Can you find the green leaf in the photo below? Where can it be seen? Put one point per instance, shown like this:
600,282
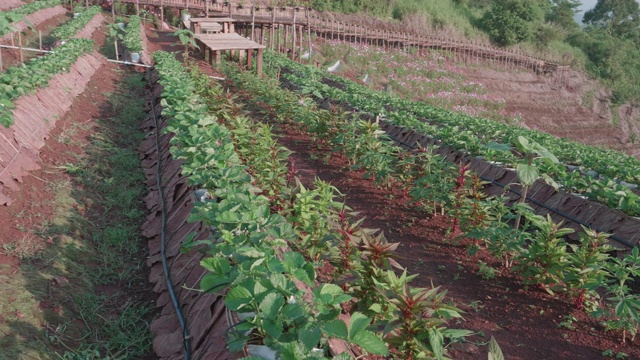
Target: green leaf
237,298
309,337
358,323
495,353
528,174
336,328
498,146
370,342
436,341
271,305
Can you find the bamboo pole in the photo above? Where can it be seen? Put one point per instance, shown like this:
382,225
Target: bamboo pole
115,45
40,38
1,59
20,44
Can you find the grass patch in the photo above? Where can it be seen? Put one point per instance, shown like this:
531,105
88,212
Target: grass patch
85,295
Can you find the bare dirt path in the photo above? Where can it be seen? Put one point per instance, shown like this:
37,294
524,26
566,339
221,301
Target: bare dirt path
67,243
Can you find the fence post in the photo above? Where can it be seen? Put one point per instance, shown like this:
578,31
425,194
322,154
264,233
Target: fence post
253,22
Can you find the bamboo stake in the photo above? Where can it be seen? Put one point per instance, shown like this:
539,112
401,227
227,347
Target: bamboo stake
0,59
40,38
115,45
20,43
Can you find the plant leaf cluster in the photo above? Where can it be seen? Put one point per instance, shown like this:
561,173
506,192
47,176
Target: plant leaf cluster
36,73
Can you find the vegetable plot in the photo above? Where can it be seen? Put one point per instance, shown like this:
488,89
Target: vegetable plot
69,29
273,234
132,39
536,249
37,72
603,175
12,16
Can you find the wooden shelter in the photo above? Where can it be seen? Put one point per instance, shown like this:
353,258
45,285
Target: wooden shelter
213,45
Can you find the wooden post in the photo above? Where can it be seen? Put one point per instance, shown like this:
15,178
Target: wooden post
113,9
253,21
1,60
40,38
20,45
273,28
309,34
293,44
278,38
162,13
332,22
86,4
137,7
206,8
259,64
301,39
249,56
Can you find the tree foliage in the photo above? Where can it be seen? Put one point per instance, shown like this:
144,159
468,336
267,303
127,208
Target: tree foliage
509,22
621,18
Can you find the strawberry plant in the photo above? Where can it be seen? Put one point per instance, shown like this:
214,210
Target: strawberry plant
132,38
36,73
69,29
15,15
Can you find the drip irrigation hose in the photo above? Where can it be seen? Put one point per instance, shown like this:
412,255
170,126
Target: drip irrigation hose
539,203
163,235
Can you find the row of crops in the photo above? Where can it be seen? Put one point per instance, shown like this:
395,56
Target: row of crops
536,249
132,38
272,232
68,30
36,73
602,175
12,16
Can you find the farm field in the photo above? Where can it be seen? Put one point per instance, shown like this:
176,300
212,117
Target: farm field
318,231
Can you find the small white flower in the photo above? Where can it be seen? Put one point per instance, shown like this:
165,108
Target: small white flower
292,300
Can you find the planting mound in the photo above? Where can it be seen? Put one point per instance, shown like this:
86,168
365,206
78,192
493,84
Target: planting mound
35,115
9,4
35,18
205,313
90,28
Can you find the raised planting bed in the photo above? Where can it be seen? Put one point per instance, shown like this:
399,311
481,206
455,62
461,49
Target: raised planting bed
606,176
34,97
34,13
81,26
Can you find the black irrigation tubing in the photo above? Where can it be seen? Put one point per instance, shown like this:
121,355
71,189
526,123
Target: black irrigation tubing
539,203
163,235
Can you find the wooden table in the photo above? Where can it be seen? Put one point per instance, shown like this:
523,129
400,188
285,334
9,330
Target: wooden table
214,44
